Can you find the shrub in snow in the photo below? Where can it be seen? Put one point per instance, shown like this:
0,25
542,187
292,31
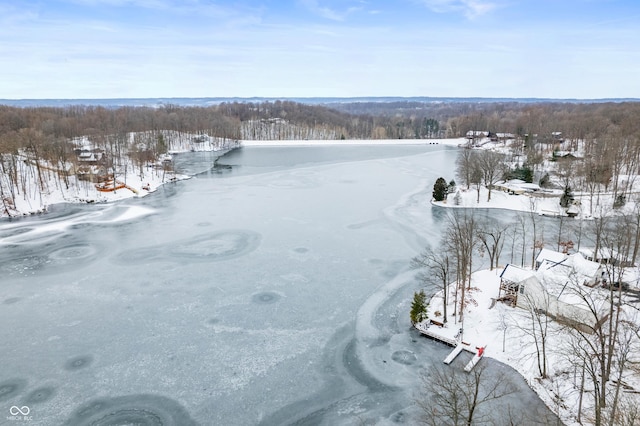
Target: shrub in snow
620,201
567,197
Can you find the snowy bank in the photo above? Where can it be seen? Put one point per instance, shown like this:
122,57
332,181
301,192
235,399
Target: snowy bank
545,203
130,181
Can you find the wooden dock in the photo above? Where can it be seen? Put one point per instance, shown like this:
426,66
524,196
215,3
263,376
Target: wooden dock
452,337
443,334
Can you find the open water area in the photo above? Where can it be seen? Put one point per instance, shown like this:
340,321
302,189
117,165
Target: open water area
273,288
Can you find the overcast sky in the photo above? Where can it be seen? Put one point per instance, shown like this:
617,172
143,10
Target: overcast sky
319,48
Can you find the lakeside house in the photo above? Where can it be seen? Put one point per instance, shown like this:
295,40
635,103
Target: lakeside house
606,256
557,287
477,138
516,186
503,137
90,157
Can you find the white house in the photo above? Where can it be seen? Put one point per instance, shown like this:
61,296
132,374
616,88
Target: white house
557,286
516,186
605,255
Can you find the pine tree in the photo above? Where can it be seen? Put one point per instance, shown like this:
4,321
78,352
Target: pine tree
418,307
440,189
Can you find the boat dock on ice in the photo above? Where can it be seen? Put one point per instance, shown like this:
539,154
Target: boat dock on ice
452,337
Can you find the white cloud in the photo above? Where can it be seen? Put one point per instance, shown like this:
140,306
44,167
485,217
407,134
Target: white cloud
177,7
328,13
149,4
470,8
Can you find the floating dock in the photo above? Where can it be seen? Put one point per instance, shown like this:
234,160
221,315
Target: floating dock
449,359
475,359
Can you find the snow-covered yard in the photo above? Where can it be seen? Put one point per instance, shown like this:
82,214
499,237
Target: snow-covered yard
543,203
506,333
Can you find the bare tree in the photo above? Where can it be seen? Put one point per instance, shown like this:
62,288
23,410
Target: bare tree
593,342
456,399
460,240
626,345
476,176
492,236
464,163
492,165
537,326
434,267
537,233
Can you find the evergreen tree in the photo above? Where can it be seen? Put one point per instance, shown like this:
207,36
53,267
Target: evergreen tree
440,189
161,146
567,197
418,307
524,172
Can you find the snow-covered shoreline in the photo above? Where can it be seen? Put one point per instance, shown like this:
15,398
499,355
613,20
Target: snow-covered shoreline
137,183
545,204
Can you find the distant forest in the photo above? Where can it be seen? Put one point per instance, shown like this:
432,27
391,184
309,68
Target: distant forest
21,127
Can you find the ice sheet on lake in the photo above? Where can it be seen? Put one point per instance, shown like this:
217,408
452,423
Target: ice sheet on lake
260,296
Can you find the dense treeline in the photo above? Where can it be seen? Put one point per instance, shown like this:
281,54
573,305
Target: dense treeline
268,120
291,120
575,121
456,118
607,132
438,110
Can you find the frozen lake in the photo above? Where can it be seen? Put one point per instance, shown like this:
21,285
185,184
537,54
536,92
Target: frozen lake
273,289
